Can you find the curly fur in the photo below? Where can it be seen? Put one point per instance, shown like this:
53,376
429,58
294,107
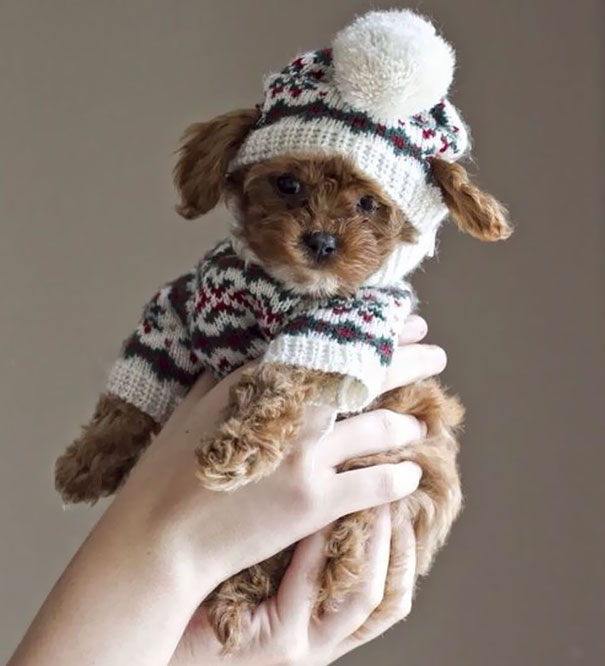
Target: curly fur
474,211
271,225
263,417
96,464
229,604
207,149
432,508
266,406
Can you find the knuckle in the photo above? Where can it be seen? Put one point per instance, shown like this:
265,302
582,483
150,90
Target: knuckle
404,607
388,487
303,494
360,612
388,424
296,464
292,651
397,429
373,598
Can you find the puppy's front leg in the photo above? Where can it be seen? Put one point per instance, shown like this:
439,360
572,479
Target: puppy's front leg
98,462
263,416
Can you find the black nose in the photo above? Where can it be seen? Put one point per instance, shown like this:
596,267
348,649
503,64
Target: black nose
320,244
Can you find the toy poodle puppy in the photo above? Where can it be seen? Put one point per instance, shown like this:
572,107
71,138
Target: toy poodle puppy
337,184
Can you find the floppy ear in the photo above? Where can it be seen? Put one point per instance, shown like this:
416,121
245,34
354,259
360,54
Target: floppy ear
204,156
473,210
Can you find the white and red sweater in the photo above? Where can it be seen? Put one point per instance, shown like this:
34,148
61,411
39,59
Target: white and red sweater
227,311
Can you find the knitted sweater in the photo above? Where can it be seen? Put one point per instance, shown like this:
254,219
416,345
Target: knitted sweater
227,311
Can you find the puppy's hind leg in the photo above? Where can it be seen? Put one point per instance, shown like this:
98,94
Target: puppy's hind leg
432,508
231,605
345,559
264,415
438,500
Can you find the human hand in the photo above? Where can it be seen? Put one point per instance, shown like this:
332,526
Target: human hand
165,542
231,531
284,631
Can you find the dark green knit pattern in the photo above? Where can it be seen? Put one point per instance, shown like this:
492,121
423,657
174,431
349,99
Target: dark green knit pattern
226,313
314,72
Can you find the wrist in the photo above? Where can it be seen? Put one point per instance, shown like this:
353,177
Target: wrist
160,541
118,574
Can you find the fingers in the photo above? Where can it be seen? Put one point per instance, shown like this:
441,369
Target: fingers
298,589
365,488
368,433
412,363
403,587
414,329
360,604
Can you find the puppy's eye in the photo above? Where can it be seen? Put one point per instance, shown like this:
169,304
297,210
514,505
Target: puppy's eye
367,204
287,184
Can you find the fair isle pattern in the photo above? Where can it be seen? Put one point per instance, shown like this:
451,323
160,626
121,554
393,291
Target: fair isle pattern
354,337
237,309
227,312
305,88
158,365
303,112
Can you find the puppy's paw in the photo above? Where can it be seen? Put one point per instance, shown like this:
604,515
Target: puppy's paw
238,453
96,464
263,418
75,480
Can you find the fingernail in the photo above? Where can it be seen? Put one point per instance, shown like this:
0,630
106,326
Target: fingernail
407,478
415,325
438,355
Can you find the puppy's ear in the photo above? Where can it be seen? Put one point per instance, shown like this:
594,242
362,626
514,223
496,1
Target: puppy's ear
204,156
473,210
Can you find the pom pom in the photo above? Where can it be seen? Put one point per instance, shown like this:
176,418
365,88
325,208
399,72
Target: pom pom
392,64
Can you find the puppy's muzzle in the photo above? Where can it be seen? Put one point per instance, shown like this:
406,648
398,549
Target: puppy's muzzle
320,245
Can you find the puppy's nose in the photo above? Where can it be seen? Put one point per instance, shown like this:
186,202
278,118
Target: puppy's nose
320,244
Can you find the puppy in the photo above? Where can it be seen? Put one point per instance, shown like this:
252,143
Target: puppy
312,281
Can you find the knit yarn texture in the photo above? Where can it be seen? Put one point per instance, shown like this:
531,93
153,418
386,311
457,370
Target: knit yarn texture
226,312
303,112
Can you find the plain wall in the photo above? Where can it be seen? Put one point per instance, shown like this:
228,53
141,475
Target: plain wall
93,98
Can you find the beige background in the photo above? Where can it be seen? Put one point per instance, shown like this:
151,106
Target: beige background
93,98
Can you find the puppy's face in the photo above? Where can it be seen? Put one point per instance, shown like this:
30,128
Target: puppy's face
315,223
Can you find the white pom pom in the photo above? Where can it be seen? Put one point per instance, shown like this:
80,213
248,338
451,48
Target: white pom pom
392,64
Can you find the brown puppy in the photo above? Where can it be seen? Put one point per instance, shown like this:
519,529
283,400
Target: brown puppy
277,203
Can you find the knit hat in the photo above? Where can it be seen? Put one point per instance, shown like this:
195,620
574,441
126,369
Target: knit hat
378,97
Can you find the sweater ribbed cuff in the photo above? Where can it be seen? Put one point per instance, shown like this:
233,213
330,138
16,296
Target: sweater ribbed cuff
133,380
362,373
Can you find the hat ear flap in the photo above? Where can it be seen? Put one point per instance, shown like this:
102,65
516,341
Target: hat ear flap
204,156
474,211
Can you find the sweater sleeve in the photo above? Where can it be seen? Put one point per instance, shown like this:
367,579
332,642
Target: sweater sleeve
354,338
158,365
